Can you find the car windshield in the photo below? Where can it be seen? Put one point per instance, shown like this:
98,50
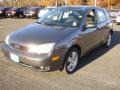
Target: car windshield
14,8
43,12
114,11
63,17
32,9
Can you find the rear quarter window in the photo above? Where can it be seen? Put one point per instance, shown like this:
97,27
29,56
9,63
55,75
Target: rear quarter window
101,15
107,14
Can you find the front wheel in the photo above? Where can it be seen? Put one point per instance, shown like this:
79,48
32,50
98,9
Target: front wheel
20,16
72,59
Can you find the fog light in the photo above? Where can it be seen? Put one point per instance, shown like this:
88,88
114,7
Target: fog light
55,58
41,67
45,68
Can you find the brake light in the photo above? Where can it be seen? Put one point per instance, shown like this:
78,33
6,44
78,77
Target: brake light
13,12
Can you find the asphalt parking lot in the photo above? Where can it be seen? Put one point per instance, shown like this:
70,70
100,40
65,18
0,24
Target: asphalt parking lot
98,70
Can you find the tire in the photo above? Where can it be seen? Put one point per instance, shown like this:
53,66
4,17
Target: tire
108,41
20,16
72,59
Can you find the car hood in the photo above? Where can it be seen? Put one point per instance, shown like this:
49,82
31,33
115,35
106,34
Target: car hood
2,9
40,34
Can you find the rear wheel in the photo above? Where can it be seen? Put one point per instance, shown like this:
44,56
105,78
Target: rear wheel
108,41
72,59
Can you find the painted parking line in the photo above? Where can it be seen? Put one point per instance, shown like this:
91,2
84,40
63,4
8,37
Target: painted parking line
1,27
3,23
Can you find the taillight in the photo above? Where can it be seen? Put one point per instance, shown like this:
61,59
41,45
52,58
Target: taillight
13,12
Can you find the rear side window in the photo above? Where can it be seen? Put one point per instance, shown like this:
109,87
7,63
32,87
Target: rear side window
107,14
101,15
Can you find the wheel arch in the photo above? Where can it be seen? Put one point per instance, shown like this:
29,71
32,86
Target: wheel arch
73,46
111,31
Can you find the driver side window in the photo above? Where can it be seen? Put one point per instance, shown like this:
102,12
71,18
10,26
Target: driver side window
91,19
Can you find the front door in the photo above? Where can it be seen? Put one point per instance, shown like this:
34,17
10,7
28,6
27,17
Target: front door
90,34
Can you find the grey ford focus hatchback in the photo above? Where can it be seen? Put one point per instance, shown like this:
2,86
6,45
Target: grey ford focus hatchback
60,38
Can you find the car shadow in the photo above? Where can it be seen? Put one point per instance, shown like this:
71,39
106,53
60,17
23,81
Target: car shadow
99,51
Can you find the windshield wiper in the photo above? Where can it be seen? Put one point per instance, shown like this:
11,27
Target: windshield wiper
51,24
48,24
38,22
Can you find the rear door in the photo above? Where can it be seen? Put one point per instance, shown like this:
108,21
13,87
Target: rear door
102,24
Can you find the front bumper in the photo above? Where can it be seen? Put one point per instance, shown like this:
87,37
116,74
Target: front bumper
113,20
30,15
1,15
39,62
8,15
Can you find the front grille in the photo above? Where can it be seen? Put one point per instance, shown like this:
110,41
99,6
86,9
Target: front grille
18,46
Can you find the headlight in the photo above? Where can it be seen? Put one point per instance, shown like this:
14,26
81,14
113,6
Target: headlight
7,40
40,49
1,12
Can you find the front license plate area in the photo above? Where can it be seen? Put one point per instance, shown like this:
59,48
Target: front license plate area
14,58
